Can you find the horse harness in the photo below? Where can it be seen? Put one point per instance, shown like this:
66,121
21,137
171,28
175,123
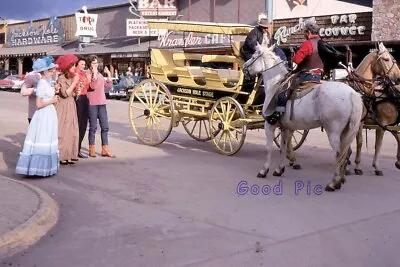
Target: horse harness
388,93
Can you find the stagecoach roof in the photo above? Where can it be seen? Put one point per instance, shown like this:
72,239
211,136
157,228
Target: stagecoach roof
203,27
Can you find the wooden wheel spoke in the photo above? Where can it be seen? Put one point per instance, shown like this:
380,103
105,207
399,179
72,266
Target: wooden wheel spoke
231,117
234,137
219,115
144,104
137,117
295,139
199,129
194,126
145,96
230,141
205,127
136,107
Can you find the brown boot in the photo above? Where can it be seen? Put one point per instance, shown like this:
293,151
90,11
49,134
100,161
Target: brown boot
106,153
92,151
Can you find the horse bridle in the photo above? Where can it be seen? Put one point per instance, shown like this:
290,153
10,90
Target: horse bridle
379,58
246,71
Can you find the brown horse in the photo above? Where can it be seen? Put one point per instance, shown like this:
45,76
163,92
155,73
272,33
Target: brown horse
382,113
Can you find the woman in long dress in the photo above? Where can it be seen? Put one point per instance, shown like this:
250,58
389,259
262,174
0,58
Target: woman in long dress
39,156
68,131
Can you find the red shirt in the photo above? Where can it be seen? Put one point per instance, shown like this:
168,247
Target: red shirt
84,81
306,49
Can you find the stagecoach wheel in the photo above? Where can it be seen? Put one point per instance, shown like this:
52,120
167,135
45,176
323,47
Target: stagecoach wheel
198,129
151,112
298,138
227,126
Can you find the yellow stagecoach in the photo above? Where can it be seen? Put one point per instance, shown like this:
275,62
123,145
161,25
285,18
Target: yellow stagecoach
208,101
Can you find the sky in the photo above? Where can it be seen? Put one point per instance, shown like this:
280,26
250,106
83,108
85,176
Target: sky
36,9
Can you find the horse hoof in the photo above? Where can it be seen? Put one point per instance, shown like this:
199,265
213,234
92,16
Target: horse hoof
291,163
358,172
397,164
279,173
338,185
328,188
347,172
343,180
260,175
297,167
379,173
348,162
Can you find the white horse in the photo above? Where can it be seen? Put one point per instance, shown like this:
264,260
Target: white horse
332,105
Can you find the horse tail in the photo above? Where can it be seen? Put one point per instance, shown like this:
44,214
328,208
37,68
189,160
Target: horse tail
353,125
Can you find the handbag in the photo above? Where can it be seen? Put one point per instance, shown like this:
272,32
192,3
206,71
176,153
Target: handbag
27,91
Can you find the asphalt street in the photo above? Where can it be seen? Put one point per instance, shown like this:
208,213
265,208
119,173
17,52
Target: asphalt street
183,204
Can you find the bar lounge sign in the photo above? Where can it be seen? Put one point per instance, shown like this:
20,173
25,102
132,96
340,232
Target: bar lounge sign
342,25
53,33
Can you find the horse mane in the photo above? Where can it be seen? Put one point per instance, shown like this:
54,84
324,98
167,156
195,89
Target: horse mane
265,50
365,64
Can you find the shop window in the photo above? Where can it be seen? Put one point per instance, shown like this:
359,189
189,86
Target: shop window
2,38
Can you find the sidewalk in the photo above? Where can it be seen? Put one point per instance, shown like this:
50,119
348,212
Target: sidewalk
26,214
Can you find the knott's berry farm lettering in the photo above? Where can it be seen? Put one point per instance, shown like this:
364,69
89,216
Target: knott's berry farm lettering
283,33
53,33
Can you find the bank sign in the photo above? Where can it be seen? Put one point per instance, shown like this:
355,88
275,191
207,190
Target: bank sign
52,33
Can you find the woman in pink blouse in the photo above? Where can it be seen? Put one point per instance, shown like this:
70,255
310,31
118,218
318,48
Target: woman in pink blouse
97,107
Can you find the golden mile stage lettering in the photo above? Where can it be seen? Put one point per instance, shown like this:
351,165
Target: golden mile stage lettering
194,92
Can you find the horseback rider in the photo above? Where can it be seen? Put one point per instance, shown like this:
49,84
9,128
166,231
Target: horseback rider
259,35
309,67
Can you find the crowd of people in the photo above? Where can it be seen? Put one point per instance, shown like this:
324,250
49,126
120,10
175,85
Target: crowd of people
63,98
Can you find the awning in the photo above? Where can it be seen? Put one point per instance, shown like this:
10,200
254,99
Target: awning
23,51
117,47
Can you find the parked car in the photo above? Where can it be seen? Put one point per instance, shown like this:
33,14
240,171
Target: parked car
12,82
110,91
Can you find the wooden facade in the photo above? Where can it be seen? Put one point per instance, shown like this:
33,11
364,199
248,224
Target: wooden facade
341,29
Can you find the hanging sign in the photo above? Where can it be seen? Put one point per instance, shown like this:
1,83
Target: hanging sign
86,24
170,39
157,7
344,25
138,27
53,33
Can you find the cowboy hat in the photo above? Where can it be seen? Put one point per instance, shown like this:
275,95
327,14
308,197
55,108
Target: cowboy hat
43,64
263,23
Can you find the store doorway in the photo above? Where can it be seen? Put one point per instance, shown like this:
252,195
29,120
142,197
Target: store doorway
27,64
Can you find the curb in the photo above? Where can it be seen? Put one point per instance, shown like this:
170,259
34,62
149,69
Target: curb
34,228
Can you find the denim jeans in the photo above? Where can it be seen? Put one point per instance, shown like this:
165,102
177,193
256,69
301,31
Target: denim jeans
82,109
98,112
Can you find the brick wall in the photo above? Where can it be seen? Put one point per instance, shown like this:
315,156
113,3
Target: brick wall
386,17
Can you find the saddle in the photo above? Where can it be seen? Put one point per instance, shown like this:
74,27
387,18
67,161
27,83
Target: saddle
294,88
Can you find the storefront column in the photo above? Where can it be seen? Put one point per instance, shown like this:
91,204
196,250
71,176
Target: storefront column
6,64
20,67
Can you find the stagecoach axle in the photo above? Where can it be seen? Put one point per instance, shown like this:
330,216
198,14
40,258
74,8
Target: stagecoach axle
146,112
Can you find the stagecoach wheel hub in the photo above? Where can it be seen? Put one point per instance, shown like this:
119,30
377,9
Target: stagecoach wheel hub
147,112
221,126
